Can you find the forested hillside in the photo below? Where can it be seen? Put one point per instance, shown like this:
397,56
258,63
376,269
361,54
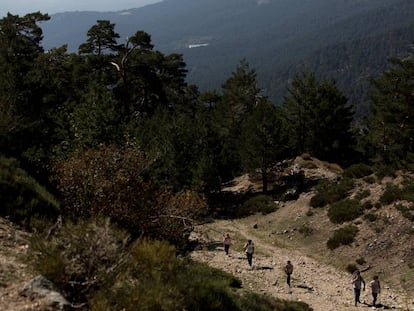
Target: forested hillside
277,38
109,157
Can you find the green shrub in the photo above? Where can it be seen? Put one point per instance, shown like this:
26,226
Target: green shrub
357,171
345,210
384,170
406,211
408,190
410,161
318,200
305,229
342,236
369,179
153,278
256,302
360,261
370,217
367,205
111,181
259,204
329,192
351,268
22,199
391,194
79,258
310,213
362,194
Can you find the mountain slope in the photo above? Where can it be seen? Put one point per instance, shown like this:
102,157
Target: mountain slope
277,37
299,233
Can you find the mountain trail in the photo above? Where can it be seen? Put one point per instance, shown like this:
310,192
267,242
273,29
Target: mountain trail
323,287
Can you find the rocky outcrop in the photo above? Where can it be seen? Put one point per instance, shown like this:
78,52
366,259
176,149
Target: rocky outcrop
42,288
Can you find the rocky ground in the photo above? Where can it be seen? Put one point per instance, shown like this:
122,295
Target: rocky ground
14,273
322,286
385,246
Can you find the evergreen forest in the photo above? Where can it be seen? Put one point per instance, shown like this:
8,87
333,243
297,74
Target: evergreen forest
114,143
349,41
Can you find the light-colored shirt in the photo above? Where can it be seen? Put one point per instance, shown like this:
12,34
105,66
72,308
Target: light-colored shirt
249,248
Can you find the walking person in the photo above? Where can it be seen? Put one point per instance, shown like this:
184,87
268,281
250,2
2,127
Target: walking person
227,243
288,271
249,249
375,289
358,282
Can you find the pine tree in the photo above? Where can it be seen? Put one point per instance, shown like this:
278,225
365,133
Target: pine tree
101,38
318,118
240,95
262,140
391,129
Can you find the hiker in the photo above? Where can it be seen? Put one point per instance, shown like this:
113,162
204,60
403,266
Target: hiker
288,271
249,249
227,242
375,289
357,282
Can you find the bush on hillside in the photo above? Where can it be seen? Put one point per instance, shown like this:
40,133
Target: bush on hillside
362,194
410,161
79,257
391,194
22,199
258,204
407,212
382,171
371,217
342,236
256,302
345,210
306,229
358,171
369,179
310,213
367,205
351,268
408,190
111,181
329,192
153,278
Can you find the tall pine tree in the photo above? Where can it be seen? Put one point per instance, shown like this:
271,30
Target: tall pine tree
391,128
240,94
319,119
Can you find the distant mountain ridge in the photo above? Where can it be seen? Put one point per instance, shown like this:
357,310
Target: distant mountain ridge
277,37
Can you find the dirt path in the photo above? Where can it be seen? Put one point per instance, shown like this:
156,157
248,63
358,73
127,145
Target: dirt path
322,286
